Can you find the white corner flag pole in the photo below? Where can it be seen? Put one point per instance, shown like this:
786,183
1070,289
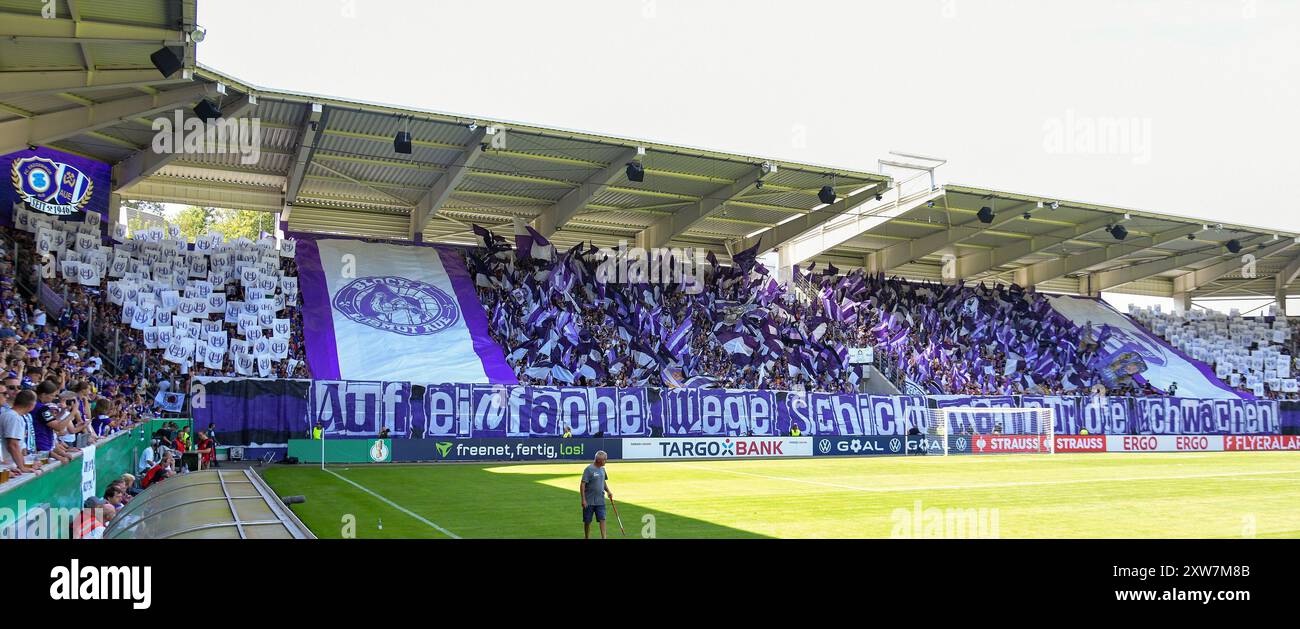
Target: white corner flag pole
322,450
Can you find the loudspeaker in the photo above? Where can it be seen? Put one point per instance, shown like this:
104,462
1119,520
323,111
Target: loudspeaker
402,142
985,215
635,171
166,61
1118,232
206,111
826,195
1234,246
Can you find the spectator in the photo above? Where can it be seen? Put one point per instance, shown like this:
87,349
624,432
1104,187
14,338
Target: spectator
207,450
162,471
50,420
115,494
93,519
148,458
13,434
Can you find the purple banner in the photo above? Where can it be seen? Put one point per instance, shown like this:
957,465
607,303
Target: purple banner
267,411
982,423
1188,416
1103,416
248,411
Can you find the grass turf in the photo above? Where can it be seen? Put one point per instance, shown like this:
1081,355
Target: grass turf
1027,496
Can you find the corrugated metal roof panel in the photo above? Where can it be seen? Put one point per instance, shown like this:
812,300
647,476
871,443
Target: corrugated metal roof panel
348,222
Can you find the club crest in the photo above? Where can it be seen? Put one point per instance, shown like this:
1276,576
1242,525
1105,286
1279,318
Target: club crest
398,305
51,187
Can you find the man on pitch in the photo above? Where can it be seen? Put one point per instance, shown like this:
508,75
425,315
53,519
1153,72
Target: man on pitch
593,490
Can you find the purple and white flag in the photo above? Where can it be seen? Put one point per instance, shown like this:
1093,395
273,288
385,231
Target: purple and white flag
374,311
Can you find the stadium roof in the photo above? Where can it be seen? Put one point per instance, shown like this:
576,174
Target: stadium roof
211,504
1068,249
83,83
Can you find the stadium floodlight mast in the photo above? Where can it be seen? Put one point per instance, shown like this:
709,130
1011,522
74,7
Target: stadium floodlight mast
955,428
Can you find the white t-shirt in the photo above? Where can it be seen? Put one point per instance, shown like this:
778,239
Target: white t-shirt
12,426
147,459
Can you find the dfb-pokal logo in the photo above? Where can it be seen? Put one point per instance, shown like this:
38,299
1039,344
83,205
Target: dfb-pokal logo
397,305
51,187
379,451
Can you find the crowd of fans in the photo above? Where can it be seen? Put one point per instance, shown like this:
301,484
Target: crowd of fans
87,308
1254,355
560,325
60,394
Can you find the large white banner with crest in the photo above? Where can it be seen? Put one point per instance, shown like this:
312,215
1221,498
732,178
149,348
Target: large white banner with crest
391,312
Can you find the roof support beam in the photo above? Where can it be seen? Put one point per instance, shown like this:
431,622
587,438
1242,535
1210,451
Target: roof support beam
311,129
902,253
814,243
669,227
18,134
554,218
1189,282
983,261
146,162
1289,274
1107,280
433,200
22,27
791,229
1048,270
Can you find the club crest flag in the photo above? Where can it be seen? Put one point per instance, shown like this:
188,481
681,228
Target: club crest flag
375,311
55,183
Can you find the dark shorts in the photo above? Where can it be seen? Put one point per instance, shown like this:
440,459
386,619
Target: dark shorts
590,510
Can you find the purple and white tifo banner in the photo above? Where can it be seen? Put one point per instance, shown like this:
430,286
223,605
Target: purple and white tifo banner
375,311
1165,364
272,411
364,408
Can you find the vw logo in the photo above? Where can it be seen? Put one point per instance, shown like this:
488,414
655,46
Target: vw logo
895,445
824,446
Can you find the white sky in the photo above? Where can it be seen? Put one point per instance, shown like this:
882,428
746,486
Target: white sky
1006,90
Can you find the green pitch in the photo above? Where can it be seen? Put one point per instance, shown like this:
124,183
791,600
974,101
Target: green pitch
1028,496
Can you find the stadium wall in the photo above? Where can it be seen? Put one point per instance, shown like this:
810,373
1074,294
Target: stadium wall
26,503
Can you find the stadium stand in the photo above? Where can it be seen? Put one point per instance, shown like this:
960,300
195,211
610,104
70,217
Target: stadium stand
62,395
1252,354
91,289
560,325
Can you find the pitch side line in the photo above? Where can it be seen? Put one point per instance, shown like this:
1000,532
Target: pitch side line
983,486
394,505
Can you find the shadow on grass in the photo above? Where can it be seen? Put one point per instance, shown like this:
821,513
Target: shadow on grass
471,501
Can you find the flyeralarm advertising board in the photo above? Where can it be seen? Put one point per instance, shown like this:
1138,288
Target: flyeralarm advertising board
717,447
1261,442
1164,443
